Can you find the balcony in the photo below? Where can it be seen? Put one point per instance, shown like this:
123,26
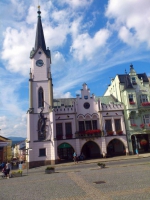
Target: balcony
132,103
145,104
59,137
133,125
69,136
119,132
88,133
110,133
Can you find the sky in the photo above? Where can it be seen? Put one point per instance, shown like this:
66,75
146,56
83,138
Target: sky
90,41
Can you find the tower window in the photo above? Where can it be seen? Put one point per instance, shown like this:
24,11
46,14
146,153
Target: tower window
40,98
133,81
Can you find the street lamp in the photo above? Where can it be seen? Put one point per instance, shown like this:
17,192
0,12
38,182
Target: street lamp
27,153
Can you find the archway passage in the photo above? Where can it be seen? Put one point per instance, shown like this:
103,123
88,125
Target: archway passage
115,148
65,151
91,150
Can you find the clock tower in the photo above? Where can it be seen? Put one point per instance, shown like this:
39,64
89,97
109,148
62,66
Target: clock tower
40,116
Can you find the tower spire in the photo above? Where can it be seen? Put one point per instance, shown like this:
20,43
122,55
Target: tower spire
39,40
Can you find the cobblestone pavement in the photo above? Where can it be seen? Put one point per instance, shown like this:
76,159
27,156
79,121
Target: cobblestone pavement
118,183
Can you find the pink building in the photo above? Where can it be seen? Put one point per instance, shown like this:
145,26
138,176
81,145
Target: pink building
57,127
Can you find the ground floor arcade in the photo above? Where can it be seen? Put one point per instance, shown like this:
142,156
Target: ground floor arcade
111,146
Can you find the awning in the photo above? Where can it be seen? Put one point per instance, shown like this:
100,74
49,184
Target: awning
64,145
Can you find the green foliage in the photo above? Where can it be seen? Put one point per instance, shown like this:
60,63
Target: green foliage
18,171
101,164
50,168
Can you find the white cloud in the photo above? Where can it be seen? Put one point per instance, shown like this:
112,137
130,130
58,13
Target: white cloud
16,47
84,46
2,118
77,3
131,20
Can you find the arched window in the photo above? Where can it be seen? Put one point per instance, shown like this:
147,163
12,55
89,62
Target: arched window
40,98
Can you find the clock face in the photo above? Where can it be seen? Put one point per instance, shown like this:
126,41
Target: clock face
86,105
39,63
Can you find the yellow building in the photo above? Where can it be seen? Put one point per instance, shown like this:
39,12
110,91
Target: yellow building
5,149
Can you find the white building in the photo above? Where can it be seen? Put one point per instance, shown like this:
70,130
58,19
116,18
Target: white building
58,127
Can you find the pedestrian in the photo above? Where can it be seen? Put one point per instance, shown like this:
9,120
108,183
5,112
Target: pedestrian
2,165
136,151
104,154
8,167
75,157
4,172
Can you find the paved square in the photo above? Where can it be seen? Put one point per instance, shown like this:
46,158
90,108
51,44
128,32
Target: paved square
121,183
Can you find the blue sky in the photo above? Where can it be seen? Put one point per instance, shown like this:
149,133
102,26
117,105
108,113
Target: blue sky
90,41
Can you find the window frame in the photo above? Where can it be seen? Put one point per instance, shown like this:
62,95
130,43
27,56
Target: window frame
111,129
58,132
40,97
44,154
143,98
66,131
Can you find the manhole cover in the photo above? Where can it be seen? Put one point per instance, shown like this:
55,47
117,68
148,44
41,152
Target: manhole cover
99,182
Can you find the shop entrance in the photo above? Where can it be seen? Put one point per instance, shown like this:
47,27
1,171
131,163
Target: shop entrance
115,148
91,150
140,141
65,151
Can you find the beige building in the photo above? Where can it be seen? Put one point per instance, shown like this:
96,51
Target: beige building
5,149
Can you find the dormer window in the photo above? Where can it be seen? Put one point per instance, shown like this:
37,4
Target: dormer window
133,80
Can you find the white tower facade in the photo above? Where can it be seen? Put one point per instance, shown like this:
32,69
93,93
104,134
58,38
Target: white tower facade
40,126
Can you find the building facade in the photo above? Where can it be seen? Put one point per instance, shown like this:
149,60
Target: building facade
133,90
57,127
5,149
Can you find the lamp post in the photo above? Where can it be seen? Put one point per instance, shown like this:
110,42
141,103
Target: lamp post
27,153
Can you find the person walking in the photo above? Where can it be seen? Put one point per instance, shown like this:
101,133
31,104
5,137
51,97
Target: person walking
8,167
75,157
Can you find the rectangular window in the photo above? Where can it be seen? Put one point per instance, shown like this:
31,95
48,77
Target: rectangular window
143,98
132,121
146,119
88,125
42,152
131,98
108,125
59,129
94,122
85,97
68,128
133,80
117,124
81,126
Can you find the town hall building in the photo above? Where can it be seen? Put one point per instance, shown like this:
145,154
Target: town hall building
56,128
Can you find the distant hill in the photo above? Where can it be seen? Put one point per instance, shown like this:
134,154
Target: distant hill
16,140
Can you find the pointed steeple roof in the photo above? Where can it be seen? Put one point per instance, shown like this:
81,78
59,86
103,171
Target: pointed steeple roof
39,40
